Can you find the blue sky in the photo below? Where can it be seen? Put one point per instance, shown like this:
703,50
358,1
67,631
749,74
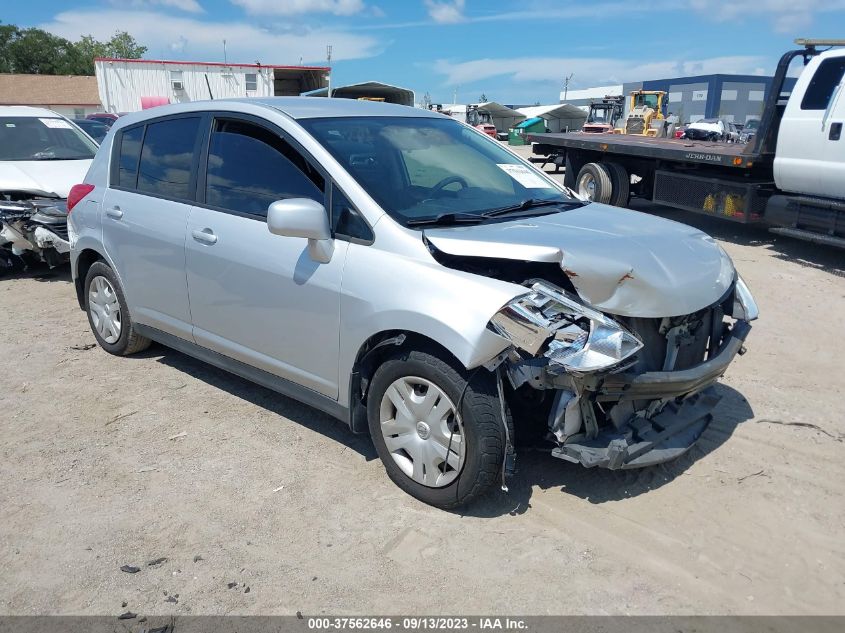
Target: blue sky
513,52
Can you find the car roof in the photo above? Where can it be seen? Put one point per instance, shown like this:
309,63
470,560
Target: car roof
294,107
28,111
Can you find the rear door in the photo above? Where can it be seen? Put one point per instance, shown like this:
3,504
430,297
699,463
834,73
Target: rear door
809,157
145,211
257,297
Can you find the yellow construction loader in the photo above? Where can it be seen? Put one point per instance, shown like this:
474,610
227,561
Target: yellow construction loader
647,114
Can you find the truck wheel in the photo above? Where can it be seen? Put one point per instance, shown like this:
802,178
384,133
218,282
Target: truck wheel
594,183
621,182
430,451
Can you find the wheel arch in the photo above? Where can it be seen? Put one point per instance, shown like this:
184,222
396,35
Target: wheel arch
84,261
374,351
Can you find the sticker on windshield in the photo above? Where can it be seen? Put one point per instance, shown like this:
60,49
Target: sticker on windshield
524,176
56,123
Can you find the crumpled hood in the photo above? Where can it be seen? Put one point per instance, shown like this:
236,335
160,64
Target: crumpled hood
620,261
42,177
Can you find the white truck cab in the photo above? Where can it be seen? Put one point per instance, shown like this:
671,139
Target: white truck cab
810,154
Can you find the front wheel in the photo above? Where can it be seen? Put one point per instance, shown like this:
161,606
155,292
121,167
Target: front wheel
437,428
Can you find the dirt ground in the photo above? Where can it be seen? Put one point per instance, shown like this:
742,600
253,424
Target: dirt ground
121,461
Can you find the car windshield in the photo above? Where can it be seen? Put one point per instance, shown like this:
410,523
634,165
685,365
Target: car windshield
753,124
94,129
42,138
420,168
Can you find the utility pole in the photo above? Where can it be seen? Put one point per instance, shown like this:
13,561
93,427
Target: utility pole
225,60
455,96
566,86
329,64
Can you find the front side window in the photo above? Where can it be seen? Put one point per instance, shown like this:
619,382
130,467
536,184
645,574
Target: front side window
419,168
130,154
250,167
822,85
42,138
167,158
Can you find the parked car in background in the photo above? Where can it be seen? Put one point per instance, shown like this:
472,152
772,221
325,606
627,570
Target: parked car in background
488,128
749,131
409,275
712,130
42,155
93,128
107,118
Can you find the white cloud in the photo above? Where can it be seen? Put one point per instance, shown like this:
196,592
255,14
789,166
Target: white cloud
200,40
589,71
787,16
191,6
448,12
297,7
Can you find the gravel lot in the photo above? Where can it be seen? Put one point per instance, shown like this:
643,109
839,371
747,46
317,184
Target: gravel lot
121,461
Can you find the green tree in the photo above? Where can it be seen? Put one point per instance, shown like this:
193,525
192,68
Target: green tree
8,32
124,46
35,51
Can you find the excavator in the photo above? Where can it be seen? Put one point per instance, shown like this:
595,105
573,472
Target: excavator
646,116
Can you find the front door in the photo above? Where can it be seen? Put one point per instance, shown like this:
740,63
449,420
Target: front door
254,296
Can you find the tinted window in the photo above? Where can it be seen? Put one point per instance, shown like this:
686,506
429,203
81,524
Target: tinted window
824,82
250,167
130,152
167,157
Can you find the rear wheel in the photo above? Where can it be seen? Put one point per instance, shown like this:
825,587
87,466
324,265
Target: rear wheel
594,184
621,184
108,315
436,428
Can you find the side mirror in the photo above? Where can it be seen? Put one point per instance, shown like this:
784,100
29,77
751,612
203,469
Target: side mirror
303,217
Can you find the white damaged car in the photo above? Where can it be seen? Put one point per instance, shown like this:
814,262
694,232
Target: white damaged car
406,274
42,155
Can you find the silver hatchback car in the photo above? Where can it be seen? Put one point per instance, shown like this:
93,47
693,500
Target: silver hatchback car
410,276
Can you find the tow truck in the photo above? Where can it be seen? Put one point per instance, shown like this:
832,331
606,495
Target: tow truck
790,177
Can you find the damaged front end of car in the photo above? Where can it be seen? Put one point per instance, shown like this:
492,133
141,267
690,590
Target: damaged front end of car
33,229
624,392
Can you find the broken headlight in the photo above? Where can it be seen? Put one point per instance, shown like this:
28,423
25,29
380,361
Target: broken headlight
571,335
745,307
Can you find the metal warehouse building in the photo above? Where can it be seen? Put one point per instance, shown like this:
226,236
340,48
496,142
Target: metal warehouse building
128,85
735,98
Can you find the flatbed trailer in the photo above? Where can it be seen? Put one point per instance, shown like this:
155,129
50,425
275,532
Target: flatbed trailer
728,180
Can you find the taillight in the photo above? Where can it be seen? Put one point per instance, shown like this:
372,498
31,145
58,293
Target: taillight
77,192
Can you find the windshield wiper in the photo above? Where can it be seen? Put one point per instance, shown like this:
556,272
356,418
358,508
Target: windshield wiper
525,205
446,219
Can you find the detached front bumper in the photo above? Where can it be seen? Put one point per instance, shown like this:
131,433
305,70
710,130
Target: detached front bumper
644,441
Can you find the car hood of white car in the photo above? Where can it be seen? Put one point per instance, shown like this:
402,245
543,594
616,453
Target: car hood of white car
51,178
619,261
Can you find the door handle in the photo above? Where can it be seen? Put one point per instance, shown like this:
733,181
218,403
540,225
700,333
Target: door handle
835,131
206,236
115,213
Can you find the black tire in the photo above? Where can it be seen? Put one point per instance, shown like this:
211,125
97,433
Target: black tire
480,414
601,177
129,341
621,182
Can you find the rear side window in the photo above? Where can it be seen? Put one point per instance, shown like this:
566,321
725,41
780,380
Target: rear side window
249,167
130,153
167,158
824,82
